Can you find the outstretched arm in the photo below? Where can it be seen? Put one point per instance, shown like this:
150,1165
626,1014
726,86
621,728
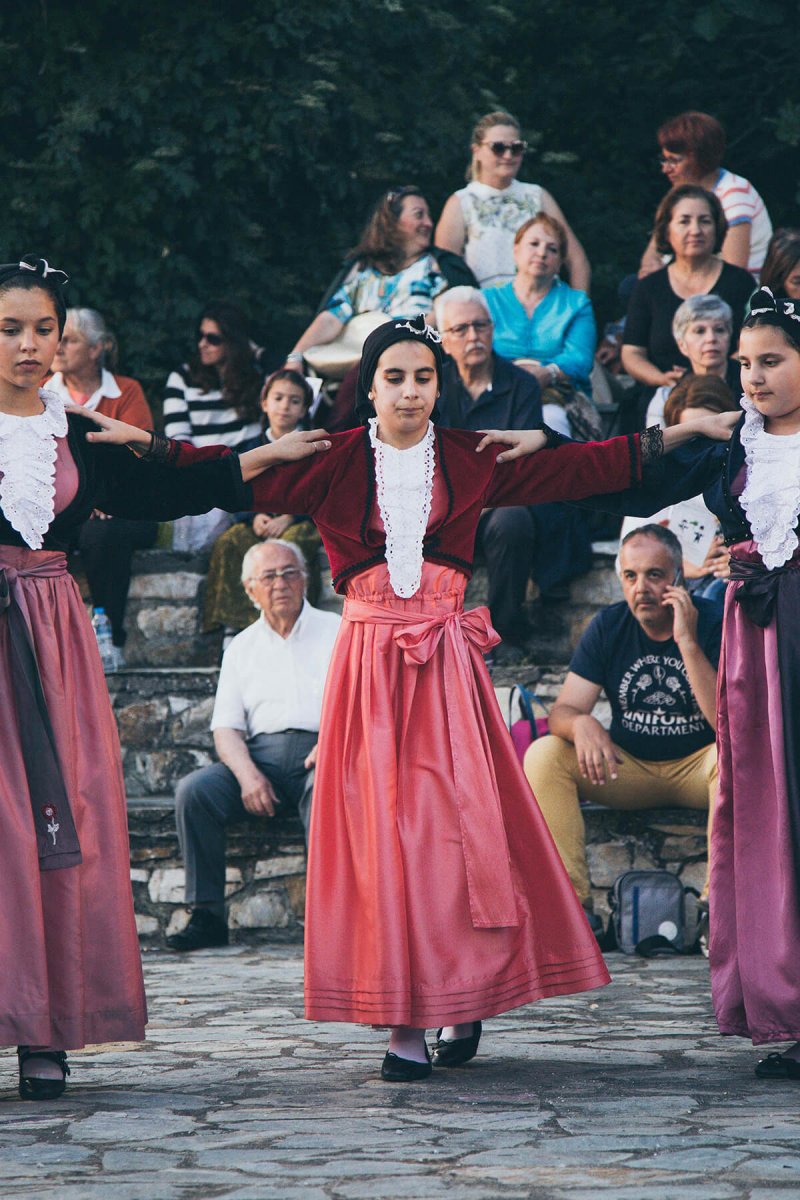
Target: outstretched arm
578,470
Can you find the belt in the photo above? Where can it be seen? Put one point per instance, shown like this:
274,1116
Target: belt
56,836
487,860
761,588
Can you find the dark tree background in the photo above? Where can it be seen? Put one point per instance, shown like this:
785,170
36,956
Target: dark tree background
167,153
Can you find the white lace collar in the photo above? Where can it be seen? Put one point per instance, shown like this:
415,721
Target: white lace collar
28,465
771,496
404,481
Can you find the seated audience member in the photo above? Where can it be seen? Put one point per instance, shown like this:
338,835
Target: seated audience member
480,219
212,400
696,396
480,390
781,270
702,328
692,148
689,224
285,401
654,654
83,376
541,323
393,270
265,723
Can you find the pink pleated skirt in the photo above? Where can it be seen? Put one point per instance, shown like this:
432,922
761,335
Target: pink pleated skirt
435,893
71,971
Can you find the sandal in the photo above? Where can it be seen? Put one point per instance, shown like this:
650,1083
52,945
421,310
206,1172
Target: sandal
32,1087
778,1066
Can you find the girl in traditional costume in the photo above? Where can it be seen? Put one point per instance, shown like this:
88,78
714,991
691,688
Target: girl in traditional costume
435,895
70,971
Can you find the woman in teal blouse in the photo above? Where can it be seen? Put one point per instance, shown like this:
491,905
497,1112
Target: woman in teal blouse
541,323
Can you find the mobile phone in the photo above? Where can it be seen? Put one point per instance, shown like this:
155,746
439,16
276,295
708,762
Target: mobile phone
679,580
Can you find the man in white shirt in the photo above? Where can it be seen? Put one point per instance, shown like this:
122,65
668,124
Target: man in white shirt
265,723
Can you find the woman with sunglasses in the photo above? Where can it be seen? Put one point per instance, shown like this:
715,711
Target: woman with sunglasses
213,400
480,220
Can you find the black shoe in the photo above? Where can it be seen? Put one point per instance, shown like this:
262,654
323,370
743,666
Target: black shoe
453,1054
596,926
404,1070
33,1088
204,929
778,1066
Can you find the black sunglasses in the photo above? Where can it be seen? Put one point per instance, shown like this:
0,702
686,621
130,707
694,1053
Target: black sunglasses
213,339
501,148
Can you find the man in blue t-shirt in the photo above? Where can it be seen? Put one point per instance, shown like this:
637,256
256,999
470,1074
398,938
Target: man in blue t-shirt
655,656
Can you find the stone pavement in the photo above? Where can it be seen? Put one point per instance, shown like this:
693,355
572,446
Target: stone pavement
623,1093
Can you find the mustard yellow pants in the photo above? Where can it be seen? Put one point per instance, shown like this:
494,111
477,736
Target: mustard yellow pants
551,766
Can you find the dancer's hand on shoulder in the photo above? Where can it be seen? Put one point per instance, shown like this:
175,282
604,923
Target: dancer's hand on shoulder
110,432
520,441
719,426
303,443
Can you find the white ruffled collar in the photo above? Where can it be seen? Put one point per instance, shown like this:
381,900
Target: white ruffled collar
404,486
771,495
28,452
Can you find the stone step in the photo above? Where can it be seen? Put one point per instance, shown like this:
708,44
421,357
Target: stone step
265,865
164,618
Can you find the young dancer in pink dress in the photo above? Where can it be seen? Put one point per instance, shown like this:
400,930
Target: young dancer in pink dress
436,897
70,972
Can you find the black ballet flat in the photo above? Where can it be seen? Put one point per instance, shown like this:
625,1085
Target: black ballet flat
404,1070
458,1052
33,1088
778,1066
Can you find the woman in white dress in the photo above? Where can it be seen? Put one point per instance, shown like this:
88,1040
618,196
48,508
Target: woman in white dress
479,221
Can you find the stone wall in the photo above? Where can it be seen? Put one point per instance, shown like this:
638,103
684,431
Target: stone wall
266,865
265,875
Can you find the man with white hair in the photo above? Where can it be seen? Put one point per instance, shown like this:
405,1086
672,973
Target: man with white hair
265,723
481,390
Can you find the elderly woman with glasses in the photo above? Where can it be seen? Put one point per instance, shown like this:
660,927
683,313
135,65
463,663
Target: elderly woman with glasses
702,328
83,375
480,220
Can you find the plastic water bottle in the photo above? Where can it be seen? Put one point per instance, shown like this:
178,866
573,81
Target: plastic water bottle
102,631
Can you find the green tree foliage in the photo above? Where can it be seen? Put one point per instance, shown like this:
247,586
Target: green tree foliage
167,153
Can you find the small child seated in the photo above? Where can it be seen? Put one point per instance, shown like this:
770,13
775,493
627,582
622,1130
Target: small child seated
285,400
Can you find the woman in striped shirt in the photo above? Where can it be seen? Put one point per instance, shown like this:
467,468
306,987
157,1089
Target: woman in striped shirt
213,399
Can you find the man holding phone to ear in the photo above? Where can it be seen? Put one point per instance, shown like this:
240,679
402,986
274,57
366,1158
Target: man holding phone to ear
655,655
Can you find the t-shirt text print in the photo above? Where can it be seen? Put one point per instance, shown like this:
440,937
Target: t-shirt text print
654,714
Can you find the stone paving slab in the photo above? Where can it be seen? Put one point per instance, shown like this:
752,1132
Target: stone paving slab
626,1093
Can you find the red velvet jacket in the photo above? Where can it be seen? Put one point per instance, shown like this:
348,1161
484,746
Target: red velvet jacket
337,489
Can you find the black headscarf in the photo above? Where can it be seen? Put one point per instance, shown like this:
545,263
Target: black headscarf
49,278
783,314
381,339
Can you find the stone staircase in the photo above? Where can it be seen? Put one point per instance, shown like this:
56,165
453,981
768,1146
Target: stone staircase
163,702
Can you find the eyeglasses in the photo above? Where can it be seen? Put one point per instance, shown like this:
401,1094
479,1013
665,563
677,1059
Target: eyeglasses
268,578
461,330
670,160
512,148
213,339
